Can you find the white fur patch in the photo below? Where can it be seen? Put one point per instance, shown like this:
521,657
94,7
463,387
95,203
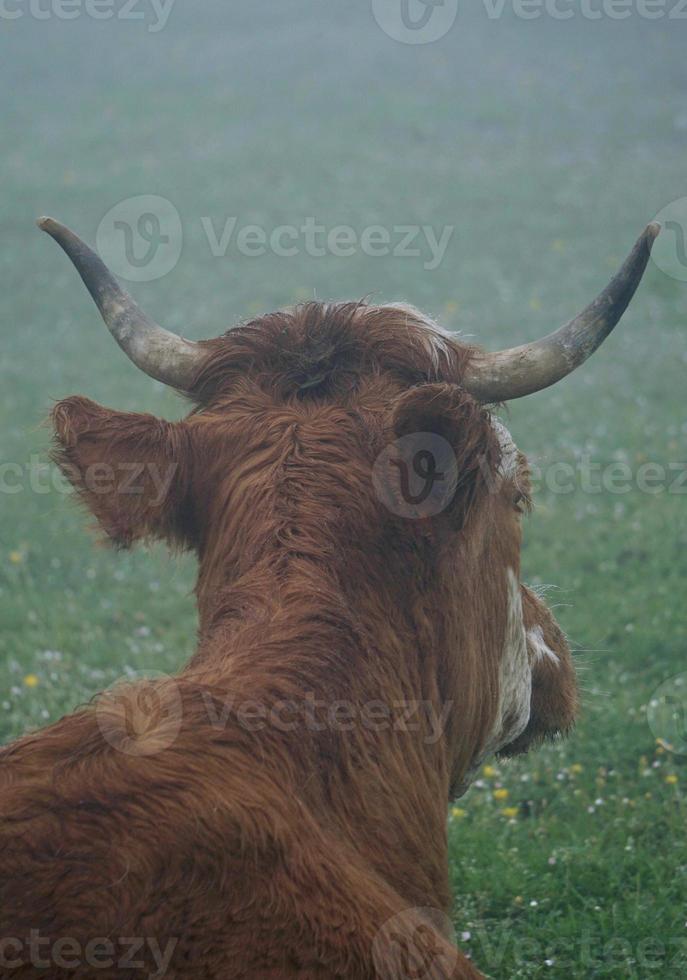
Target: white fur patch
515,684
515,675
509,452
541,650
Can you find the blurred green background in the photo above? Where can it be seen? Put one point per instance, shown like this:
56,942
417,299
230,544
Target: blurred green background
548,144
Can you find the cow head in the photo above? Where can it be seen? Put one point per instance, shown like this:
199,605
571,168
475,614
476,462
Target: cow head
295,466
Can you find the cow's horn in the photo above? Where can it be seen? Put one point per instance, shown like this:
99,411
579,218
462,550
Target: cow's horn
161,354
519,371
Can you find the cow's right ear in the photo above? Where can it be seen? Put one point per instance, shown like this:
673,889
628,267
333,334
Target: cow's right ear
446,452
131,470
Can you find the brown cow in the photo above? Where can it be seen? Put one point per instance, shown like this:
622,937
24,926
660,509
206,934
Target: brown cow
278,809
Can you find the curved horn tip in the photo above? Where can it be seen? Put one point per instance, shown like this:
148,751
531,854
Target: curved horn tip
52,227
519,371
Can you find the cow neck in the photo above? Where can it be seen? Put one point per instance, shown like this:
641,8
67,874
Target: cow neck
360,720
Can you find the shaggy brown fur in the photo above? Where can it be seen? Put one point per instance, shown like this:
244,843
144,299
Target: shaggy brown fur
270,809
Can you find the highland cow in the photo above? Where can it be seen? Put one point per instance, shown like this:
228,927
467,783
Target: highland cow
278,808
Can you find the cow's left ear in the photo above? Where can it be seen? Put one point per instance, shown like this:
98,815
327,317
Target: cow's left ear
131,470
448,451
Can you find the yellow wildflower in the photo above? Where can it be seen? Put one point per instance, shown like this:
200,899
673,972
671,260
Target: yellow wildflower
576,768
510,811
458,812
671,779
31,680
16,557
501,794
489,772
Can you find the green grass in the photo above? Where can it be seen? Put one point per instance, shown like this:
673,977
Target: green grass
549,146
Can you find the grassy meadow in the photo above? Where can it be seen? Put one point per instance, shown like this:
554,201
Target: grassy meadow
548,145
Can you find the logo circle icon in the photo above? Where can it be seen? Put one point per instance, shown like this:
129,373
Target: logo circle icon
416,475
414,944
667,714
140,714
415,21
140,238
669,252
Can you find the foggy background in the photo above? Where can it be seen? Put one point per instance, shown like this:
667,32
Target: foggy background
547,145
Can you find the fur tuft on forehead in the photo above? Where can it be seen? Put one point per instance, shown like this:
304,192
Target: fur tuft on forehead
326,349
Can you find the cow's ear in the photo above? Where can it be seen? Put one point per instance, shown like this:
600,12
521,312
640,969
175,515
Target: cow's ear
446,452
130,470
